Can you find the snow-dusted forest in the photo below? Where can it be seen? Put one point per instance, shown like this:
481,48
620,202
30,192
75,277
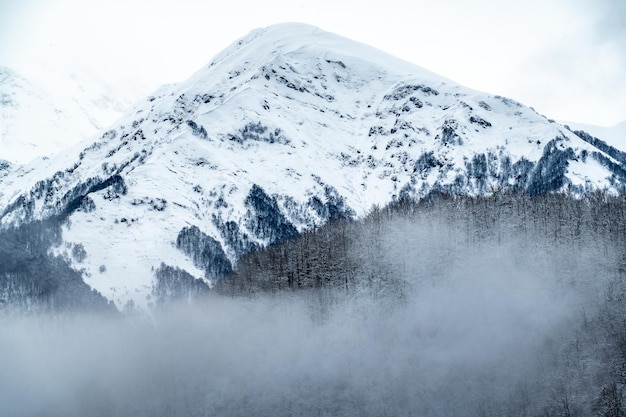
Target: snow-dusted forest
451,306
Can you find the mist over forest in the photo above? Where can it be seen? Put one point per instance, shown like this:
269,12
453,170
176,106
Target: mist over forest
451,306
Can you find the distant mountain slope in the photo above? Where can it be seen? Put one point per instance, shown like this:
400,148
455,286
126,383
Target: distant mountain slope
38,119
286,129
614,136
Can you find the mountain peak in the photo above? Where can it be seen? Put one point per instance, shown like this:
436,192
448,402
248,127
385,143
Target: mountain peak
284,30
262,45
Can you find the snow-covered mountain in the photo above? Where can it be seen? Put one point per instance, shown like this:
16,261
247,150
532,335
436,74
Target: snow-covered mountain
38,117
614,136
287,128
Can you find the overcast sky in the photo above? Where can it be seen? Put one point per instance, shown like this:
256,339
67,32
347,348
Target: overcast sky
566,58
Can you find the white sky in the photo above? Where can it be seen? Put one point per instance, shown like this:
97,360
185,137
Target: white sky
566,58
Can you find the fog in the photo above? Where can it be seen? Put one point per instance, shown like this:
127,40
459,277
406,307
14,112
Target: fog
475,333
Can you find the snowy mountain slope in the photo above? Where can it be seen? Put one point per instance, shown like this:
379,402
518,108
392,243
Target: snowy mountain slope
614,136
287,128
41,118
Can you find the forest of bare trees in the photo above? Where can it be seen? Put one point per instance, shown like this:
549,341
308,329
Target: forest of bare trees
349,255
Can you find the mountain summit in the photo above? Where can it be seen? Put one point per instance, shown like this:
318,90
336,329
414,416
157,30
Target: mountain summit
286,129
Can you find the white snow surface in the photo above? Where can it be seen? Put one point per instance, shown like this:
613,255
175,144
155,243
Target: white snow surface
329,112
39,117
